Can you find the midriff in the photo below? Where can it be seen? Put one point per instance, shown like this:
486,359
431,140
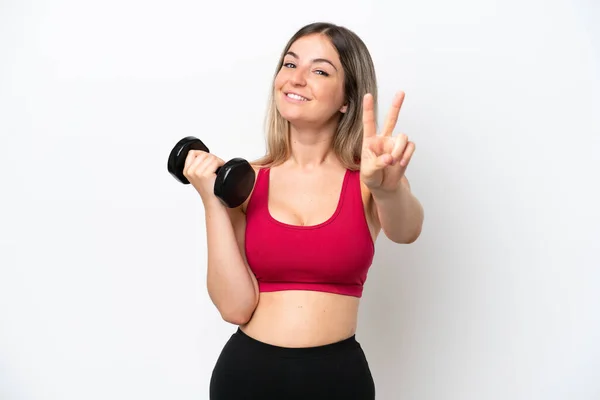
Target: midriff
300,318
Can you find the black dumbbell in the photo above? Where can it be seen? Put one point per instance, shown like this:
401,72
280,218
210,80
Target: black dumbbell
235,178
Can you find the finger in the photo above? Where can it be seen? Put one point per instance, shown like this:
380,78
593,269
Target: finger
196,162
378,146
392,118
191,156
188,160
368,117
210,166
399,147
389,143
383,161
408,153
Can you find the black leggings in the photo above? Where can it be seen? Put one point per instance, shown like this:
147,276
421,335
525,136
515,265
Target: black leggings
249,369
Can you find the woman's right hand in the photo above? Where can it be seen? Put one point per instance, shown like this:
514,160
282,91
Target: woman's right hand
199,169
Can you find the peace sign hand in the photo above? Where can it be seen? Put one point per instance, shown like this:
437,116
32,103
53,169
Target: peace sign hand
384,158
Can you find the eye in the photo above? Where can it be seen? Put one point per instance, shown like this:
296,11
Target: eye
321,72
289,65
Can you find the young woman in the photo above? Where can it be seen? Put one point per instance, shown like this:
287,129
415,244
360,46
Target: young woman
288,266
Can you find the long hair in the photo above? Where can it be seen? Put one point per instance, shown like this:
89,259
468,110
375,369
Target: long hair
360,79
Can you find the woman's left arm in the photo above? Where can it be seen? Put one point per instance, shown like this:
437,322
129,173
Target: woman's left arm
399,212
384,161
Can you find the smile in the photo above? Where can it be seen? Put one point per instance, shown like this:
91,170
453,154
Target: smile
295,96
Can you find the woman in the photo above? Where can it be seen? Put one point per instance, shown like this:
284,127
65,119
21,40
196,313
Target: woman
288,266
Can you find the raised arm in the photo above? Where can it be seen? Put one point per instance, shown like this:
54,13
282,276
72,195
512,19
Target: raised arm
383,165
231,284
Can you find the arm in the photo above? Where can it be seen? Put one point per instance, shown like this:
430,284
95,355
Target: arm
231,284
399,212
384,160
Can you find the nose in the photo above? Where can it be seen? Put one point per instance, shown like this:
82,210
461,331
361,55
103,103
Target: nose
298,77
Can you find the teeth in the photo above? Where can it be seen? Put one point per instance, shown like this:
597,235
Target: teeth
296,97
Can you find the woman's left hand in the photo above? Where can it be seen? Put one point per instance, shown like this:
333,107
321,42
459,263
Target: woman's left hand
384,157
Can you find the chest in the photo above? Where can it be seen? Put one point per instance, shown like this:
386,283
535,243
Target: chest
304,200
338,251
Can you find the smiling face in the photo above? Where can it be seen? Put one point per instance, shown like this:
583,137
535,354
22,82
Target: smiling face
309,87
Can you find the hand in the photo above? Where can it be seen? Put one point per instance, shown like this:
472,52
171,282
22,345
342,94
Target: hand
199,169
384,158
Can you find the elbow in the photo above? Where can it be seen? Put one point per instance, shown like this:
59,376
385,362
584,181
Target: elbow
239,315
412,238
236,319
416,230
405,237
415,234
234,305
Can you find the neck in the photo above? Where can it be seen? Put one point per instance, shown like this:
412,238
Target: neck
312,147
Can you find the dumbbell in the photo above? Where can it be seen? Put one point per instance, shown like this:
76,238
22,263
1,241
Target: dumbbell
235,178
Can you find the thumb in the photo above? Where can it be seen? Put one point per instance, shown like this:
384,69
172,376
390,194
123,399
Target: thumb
383,161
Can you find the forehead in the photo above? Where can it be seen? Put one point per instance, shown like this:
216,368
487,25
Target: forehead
315,46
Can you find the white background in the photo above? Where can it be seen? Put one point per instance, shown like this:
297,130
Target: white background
103,253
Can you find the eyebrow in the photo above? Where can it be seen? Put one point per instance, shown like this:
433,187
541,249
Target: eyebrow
291,53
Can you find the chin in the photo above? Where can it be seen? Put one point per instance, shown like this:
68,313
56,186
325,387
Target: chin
291,116
289,112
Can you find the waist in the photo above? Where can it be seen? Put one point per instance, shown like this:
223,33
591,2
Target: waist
302,318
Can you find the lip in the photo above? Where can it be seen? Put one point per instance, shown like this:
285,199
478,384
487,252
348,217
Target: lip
285,94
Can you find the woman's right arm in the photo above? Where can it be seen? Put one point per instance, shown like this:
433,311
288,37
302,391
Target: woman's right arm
231,285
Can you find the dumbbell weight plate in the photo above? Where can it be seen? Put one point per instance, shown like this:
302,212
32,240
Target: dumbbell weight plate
179,153
235,181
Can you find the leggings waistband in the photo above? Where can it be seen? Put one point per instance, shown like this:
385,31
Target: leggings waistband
321,350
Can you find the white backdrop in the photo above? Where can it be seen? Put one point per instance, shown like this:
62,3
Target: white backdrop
102,252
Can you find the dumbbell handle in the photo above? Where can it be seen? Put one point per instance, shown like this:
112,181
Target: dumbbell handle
234,180
201,146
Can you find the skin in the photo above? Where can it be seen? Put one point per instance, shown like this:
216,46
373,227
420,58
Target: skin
312,175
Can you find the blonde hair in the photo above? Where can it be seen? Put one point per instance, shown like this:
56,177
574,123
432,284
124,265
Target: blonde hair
360,79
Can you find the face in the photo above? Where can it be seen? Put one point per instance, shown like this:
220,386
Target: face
309,88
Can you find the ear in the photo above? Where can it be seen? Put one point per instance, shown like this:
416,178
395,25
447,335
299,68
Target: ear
344,108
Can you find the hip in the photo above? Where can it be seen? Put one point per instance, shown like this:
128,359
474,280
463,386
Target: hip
251,369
